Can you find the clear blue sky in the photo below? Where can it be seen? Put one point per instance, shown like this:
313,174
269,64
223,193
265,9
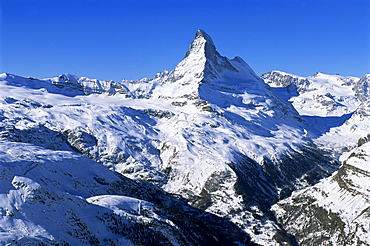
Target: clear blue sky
132,39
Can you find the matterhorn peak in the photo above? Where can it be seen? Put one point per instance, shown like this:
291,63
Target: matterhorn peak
202,34
202,45
204,73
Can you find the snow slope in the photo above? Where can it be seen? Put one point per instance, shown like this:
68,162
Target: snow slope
59,197
345,137
336,210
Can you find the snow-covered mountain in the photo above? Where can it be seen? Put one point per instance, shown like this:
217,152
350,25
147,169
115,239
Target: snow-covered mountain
194,156
321,94
335,108
336,210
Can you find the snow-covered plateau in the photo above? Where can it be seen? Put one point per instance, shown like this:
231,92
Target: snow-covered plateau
206,154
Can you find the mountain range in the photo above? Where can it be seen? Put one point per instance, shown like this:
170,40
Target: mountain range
206,154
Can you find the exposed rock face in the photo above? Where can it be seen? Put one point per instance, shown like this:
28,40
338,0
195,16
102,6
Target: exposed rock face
362,88
280,79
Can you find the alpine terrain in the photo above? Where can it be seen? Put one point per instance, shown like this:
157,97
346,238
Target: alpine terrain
206,154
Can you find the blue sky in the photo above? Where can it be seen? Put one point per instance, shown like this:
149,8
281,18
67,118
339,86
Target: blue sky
132,39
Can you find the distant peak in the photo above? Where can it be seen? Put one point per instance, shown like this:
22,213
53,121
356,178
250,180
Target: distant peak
68,77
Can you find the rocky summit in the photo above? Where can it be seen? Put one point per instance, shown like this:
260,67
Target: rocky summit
206,154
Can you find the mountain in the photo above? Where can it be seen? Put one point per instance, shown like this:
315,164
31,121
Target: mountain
229,135
319,95
336,210
335,108
66,84
194,156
